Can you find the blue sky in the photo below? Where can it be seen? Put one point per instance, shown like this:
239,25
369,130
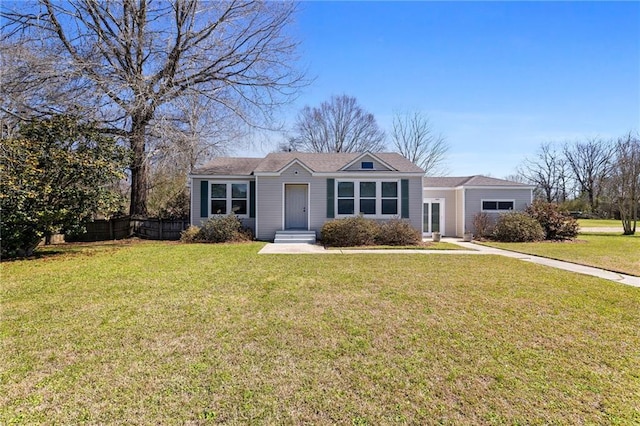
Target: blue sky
495,78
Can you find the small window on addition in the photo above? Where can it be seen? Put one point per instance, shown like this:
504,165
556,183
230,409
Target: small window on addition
366,165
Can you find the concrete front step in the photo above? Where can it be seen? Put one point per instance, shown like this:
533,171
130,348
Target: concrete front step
293,237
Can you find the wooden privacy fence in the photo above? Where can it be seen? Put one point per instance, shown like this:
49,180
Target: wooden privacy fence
158,229
125,227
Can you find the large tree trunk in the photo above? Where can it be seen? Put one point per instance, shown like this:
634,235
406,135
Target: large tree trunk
139,170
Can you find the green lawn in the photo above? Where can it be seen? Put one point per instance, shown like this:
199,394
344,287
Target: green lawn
600,223
614,252
440,245
157,333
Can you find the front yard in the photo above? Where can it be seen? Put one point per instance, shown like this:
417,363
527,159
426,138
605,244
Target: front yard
615,252
157,333
599,223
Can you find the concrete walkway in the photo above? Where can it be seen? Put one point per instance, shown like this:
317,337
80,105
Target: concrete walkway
470,248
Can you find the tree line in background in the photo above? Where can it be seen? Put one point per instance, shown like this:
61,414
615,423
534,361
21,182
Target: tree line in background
342,125
176,83
155,88
596,176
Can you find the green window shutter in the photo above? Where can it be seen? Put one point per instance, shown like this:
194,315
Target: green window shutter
252,198
331,198
404,187
204,198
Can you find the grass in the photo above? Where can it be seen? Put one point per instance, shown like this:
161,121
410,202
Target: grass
614,252
153,333
440,245
599,223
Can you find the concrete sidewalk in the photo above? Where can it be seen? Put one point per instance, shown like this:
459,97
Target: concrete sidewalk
559,264
470,248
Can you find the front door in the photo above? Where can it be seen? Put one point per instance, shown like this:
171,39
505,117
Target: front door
433,216
295,206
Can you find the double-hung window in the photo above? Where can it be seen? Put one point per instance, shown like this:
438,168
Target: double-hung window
372,198
229,197
368,197
390,198
346,198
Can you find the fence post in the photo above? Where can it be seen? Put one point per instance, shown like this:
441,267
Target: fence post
160,228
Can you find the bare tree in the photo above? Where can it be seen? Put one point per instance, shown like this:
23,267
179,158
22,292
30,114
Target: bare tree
194,131
590,163
548,171
624,184
127,62
338,125
413,137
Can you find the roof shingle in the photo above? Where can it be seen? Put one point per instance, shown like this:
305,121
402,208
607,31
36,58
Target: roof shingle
232,166
316,162
476,180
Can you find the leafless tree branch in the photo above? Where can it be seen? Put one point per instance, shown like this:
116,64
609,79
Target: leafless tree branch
413,137
338,125
130,63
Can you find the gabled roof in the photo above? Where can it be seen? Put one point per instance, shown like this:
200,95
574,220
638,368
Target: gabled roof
315,162
370,156
470,181
332,162
229,166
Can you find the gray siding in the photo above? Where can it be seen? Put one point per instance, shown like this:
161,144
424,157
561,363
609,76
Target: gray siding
474,197
459,212
270,201
449,197
415,202
196,219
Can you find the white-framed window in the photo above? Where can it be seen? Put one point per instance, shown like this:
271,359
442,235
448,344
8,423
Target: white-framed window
230,197
366,165
390,198
371,198
346,198
498,205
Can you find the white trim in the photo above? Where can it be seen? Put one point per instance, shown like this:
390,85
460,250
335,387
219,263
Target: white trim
378,198
291,163
497,187
359,158
452,188
442,202
497,200
284,202
379,174
439,188
229,197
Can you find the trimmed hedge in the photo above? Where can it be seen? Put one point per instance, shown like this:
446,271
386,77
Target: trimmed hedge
397,232
358,231
349,232
221,229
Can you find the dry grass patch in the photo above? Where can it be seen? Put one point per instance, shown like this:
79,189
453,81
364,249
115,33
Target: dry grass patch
156,333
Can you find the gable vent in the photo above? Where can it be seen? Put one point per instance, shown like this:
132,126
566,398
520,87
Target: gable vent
366,165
